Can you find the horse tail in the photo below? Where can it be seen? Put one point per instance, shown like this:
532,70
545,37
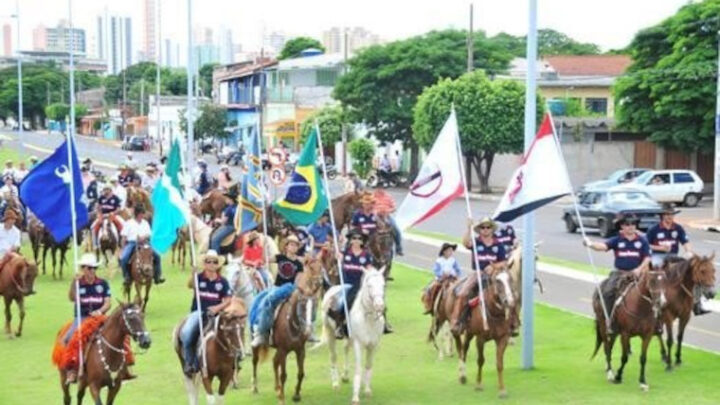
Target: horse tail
598,339
263,352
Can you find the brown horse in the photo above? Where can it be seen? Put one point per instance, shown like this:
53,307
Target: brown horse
55,247
180,247
141,273
17,279
36,233
105,354
499,302
343,208
441,312
137,196
223,349
683,278
107,241
636,314
381,245
213,203
291,329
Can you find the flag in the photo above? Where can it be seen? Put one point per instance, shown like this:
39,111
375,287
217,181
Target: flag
305,199
439,180
46,192
540,179
170,210
249,212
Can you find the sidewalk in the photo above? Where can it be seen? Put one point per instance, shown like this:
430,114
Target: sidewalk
709,225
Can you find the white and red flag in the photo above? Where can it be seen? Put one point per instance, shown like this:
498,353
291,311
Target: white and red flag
439,181
540,179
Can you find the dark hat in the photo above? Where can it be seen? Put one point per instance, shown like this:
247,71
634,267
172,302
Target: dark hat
87,160
669,209
84,168
626,219
356,232
139,209
446,245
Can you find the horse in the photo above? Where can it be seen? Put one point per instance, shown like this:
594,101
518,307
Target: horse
49,242
366,324
138,196
635,313
202,233
104,356
684,277
440,325
343,208
223,348
141,273
17,280
107,241
292,327
499,303
36,233
213,203
180,247
381,245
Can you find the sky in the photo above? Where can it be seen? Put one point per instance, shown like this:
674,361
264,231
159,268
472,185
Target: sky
609,23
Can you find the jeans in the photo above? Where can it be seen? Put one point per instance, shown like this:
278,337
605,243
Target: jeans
274,297
126,255
72,329
188,337
397,235
219,235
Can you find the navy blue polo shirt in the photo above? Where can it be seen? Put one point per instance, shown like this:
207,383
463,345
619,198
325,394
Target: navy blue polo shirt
125,179
628,253
353,267
673,237
109,204
366,223
92,295
211,292
488,254
506,236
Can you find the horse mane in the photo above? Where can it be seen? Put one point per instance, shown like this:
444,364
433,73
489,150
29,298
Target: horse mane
675,268
237,307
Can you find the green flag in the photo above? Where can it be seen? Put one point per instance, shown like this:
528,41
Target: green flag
171,211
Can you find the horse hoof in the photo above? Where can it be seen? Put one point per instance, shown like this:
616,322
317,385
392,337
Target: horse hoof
355,403
644,387
336,387
668,368
479,387
617,380
610,376
255,391
678,363
296,398
502,394
368,393
463,380
18,334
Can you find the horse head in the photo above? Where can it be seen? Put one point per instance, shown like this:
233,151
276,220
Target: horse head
372,291
133,320
502,287
703,274
654,282
144,259
28,274
229,327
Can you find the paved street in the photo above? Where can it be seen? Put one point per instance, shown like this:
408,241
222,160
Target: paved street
570,294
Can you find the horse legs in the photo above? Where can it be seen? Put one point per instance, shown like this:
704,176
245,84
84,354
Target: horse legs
224,382
82,385
95,392
279,362
345,374
8,317
643,360
369,355
625,341
255,359
44,255
666,355
147,295
21,307
358,372
681,332
480,346
112,392
608,343
463,360
300,356
191,389
332,347
65,389
209,396
500,364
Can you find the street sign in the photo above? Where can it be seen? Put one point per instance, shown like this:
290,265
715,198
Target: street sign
277,175
277,156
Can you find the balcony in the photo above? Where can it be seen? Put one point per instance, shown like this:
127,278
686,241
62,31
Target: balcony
280,94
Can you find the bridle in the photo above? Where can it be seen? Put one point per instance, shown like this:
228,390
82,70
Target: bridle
369,297
229,346
138,262
102,342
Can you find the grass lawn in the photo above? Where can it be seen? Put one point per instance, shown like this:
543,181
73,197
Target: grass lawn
406,370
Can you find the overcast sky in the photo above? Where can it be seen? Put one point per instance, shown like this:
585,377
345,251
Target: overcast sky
609,23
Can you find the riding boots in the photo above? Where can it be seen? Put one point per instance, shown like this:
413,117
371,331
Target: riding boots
699,310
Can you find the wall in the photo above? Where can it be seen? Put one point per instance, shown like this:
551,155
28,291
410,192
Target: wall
582,93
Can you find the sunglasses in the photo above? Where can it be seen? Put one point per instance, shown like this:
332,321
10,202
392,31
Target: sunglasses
210,261
485,227
356,238
89,267
629,224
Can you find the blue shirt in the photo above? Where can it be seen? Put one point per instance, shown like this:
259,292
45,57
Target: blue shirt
628,253
229,213
673,237
366,223
506,236
203,183
108,204
92,295
446,267
211,292
320,233
488,254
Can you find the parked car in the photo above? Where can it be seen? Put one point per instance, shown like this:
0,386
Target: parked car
135,142
670,186
599,209
617,177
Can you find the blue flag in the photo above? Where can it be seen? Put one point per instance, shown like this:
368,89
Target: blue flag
46,192
249,212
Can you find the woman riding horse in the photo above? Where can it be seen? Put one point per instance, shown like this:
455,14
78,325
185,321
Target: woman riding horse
135,231
446,269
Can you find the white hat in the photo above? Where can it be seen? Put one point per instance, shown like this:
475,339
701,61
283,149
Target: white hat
212,254
88,259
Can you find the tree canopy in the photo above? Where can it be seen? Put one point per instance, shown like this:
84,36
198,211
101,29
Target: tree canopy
211,122
172,82
490,117
206,73
294,46
669,90
362,151
330,120
550,42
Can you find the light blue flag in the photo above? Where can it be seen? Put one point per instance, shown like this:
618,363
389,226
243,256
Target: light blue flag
170,210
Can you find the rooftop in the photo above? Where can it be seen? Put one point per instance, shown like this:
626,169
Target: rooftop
589,65
313,62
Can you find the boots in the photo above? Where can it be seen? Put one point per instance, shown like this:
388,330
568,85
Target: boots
456,323
699,310
129,375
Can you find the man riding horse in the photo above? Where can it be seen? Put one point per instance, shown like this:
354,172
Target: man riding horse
108,205
366,218
137,231
226,221
9,237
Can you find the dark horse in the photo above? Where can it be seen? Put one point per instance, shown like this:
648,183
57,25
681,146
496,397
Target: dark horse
105,355
107,241
441,312
41,237
291,329
343,208
223,349
17,279
636,314
381,246
683,278
141,273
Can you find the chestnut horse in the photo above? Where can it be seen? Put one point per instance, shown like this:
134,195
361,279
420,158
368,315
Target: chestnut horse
105,355
141,273
292,327
683,278
636,313
440,324
343,208
137,196
179,247
213,203
17,279
107,241
381,245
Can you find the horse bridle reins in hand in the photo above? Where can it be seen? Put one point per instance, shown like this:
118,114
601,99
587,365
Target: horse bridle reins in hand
229,347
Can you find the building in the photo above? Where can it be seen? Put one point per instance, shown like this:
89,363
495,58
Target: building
357,38
61,58
171,53
227,48
150,43
7,40
205,50
114,41
64,39
39,38
170,109
275,41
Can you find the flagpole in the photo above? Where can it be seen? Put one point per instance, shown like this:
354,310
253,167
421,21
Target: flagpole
469,214
264,196
334,230
73,215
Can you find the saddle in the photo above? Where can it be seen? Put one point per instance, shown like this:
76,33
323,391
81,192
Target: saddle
6,258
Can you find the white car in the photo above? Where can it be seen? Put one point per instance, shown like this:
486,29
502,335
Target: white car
669,186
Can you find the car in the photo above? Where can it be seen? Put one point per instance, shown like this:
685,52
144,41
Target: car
135,142
617,177
601,207
670,186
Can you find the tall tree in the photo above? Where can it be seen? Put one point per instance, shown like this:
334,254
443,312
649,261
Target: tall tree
206,73
294,46
211,122
330,120
550,42
384,81
490,118
669,90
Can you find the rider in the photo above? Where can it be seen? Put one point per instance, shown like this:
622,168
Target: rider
94,297
9,236
108,204
214,293
506,235
288,267
125,176
446,267
632,255
489,254
203,185
151,177
86,176
320,232
119,190
384,207
226,221
9,170
384,168
254,257
365,219
223,177
91,193
21,172
9,187
137,231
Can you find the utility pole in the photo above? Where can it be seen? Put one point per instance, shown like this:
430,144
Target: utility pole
142,97
19,75
716,187
470,66
344,125
190,113
158,135
124,105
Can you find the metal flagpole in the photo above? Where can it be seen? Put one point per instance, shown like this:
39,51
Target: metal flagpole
190,110
19,75
528,246
334,230
472,230
73,215
158,49
264,196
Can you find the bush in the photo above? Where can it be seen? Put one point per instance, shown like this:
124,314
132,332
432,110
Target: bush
362,151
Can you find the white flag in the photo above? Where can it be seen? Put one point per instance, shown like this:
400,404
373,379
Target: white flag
540,179
439,181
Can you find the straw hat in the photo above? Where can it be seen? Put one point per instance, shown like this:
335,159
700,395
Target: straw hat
88,260
292,239
669,209
485,221
367,198
252,236
9,215
212,254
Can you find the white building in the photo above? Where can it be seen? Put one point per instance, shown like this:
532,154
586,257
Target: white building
170,109
114,41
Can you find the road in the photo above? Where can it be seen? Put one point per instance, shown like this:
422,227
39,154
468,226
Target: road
563,292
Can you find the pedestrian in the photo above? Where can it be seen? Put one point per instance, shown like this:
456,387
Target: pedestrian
9,170
203,184
353,184
9,188
224,179
21,172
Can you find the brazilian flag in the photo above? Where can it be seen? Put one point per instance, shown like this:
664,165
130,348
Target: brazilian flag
305,199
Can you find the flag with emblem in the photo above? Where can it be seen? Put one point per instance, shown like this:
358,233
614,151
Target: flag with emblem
305,199
170,210
249,212
46,192
541,178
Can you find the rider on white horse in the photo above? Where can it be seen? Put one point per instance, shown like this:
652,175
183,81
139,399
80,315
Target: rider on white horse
108,204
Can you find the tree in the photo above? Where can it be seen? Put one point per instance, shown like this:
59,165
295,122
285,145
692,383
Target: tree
330,120
550,42
206,82
172,82
362,152
384,81
669,90
294,46
490,118
61,111
211,122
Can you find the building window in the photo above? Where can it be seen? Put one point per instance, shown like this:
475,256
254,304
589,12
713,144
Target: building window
326,77
596,105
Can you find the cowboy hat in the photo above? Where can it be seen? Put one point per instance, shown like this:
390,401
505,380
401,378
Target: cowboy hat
253,235
108,186
484,221
86,161
150,167
212,254
367,198
355,232
9,215
292,239
445,246
669,209
623,219
88,260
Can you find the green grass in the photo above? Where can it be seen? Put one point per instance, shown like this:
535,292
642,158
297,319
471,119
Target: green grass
406,369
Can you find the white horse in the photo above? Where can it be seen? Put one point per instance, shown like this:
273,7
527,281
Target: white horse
367,321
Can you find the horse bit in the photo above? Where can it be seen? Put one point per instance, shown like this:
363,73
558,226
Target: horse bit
102,341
